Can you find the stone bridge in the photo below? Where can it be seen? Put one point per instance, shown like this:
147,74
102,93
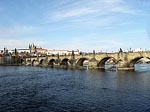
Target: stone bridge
123,60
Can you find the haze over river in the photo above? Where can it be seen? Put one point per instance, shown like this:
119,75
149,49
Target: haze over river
35,89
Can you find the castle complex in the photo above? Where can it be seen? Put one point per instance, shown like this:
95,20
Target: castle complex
6,55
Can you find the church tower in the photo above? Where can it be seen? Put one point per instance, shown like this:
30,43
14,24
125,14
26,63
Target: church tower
32,48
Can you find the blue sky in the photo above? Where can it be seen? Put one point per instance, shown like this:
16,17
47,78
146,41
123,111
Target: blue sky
103,25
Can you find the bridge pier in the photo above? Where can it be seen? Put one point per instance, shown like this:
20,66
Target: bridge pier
72,66
123,62
93,63
57,64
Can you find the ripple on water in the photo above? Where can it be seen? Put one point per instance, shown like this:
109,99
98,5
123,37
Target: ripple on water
29,89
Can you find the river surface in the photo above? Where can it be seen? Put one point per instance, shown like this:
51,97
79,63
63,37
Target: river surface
35,89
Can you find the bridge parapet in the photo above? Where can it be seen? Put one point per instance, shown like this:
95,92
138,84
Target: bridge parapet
124,60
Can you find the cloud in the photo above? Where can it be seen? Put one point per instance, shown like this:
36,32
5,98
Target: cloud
94,13
91,7
77,13
72,14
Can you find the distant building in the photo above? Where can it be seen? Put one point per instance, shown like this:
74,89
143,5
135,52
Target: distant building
143,60
12,55
61,52
137,50
55,52
110,61
86,63
20,51
41,51
5,57
23,50
76,52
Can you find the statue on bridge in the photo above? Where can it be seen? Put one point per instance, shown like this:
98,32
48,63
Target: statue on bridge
120,51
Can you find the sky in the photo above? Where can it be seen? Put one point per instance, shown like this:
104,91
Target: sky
100,25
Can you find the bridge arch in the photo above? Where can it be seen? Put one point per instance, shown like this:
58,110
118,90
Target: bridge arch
80,62
102,62
134,61
22,61
51,62
65,62
41,62
33,62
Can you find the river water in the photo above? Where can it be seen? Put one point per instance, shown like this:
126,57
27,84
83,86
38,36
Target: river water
35,89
